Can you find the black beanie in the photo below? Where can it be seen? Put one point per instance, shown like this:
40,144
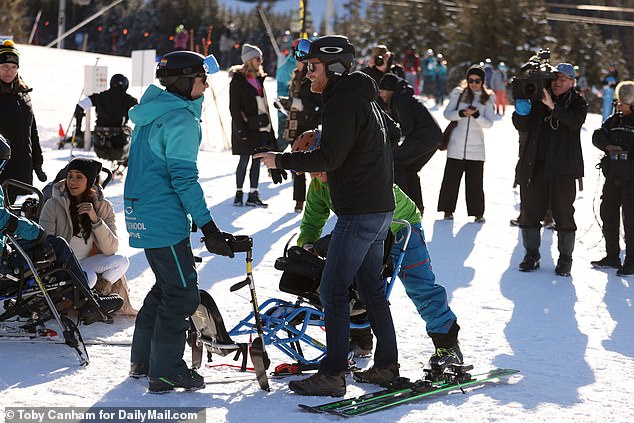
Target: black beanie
88,167
388,82
8,53
476,70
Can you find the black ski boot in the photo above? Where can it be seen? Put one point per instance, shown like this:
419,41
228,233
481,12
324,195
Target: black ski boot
253,200
108,304
191,381
447,350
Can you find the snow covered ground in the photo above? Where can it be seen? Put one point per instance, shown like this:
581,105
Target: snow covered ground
570,337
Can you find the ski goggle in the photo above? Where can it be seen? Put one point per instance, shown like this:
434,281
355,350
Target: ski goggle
302,49
210,64
3,163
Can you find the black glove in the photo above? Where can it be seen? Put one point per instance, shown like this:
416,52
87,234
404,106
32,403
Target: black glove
216,241
278,175
40,174
79,112
41,250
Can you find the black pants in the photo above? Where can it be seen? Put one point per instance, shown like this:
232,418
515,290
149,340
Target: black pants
618,195
406,168
474,192
299,187
559,193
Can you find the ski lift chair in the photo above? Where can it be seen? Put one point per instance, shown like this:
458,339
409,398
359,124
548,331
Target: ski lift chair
287,325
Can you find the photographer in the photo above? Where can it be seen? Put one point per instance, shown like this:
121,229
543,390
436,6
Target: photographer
421,134
549,165
379,64
616,139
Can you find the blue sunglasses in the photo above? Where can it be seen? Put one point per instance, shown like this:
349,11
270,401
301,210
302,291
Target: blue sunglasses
3,163
302,49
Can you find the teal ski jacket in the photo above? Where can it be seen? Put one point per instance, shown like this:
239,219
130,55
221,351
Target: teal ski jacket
26,228
162,194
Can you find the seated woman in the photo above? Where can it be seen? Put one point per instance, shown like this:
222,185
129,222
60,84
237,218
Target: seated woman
79,213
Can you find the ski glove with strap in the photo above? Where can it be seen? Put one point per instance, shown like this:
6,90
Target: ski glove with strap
216,241
40,174
278,175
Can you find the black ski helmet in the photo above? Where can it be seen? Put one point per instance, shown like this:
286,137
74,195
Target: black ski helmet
119,81
5,152
176,70
335,51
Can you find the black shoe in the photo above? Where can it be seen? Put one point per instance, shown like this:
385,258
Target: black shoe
514,222
444,357
479,219
138,370
626,270
237,201
253,200
378,376
563,267
320,385
448,216
361,342
191,381
109,303
607,263
529,264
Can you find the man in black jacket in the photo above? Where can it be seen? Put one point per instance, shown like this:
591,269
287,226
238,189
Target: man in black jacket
421,134
356,153
549,165
616,139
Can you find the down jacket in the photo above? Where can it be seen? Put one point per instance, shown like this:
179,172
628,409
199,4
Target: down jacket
467,139
56,220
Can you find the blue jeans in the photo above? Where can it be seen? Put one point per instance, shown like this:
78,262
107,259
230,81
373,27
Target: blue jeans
65,256
356,252
420,284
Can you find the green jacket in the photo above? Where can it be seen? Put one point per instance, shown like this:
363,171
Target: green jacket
318,207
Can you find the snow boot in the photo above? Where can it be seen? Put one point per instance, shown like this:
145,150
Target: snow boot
566,245
531,238
361,342
108,305
190,381
253,200
237,201
607,262
627,269
447,349
138,370
320,385
378,376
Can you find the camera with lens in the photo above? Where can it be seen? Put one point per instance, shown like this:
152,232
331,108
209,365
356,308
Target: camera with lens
539,75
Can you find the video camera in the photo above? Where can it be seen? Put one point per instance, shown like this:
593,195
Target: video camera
539,76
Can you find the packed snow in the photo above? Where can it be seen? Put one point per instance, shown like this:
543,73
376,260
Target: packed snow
571,337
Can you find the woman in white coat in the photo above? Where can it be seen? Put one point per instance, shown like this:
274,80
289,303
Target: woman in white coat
472,105
79,213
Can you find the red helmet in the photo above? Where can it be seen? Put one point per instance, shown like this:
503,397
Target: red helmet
307,141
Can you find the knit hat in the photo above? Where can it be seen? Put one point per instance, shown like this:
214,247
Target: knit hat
8,53
476,70
625,92
88,167
250,52
388,82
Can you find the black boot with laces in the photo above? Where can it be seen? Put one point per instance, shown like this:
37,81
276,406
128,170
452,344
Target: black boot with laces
253,200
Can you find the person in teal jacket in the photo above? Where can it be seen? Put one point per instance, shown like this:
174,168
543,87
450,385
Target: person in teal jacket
161,198
416,272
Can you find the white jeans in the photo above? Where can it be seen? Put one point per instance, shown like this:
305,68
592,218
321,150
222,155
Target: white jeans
111,268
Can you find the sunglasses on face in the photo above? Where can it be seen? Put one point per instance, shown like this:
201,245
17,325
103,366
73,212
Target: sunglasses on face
474,81
312,66
302,49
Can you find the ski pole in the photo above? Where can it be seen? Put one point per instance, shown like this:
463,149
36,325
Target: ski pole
225,139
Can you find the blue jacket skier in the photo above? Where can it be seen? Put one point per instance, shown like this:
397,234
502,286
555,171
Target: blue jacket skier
162,196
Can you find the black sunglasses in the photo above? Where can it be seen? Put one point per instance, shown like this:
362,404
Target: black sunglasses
474,81
312,66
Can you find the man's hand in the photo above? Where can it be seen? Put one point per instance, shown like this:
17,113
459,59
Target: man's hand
547,100
267,158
